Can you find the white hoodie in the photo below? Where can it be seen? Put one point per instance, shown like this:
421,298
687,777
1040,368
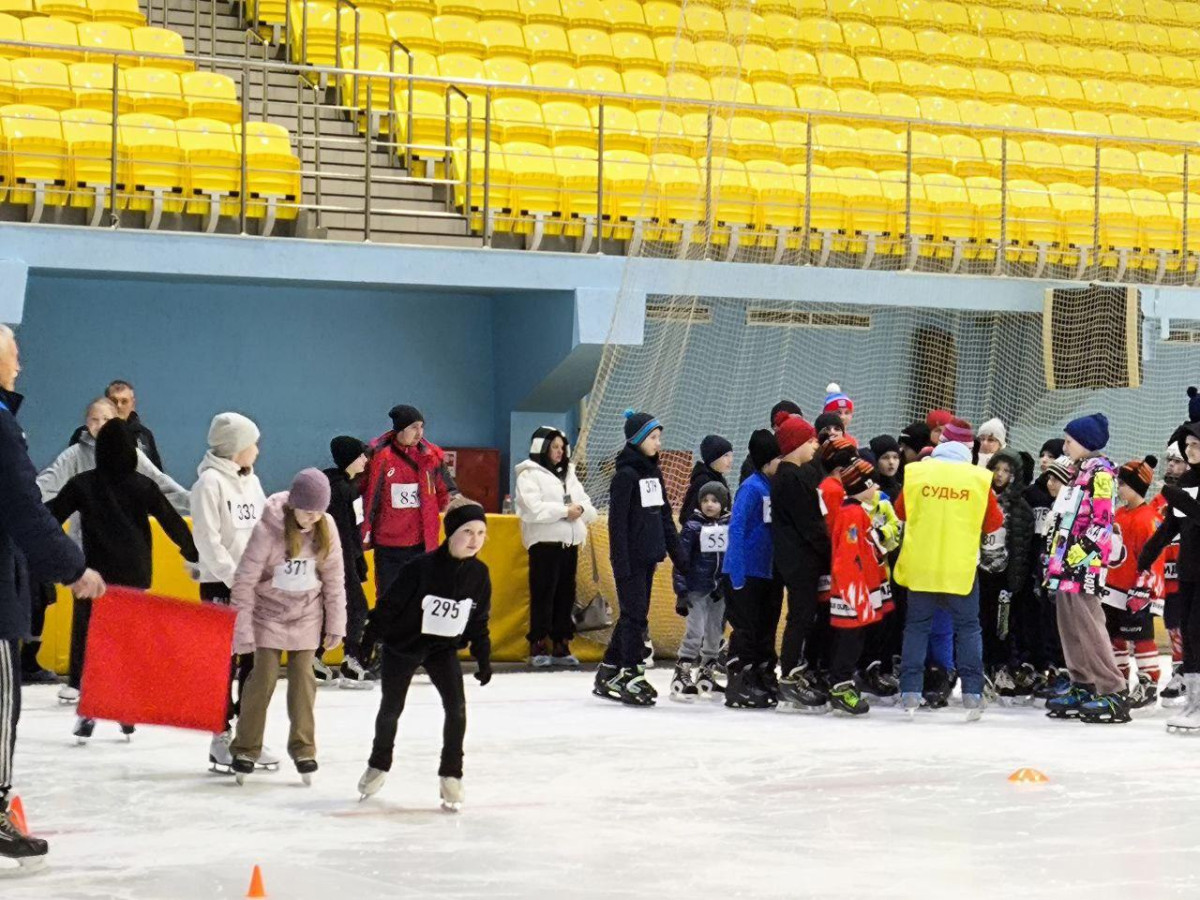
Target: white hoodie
542,499
226,505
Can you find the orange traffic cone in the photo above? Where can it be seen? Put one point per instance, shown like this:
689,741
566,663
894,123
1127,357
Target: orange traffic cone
1028,776
16,815
256,884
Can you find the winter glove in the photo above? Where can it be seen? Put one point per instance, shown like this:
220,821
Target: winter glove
484,674
331,641
681,605
1140,599
1002,614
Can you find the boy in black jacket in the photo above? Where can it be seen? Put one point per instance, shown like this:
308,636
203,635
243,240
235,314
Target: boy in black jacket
716,459
641,532
437,604
114,502
345,506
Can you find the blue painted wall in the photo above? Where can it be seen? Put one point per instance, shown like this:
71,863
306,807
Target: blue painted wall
306,363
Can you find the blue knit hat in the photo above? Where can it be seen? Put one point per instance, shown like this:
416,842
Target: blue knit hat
638,426
1091,432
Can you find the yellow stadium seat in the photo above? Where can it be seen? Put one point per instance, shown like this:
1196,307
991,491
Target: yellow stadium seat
632,50
272,170
663,18
1127,125
584,14
1111,63
503,37
596,79
457,34
591,46
775,94
1184,41
156,167
649,87
817,98
880,74
985,196
630,190
987,20
44,30
167,46
1160,230
696,131
881,149
752,138
88,137
211,95
934,46
412,28
620,128
728,90
1031,214
799,65
508,70
742,25
1157,99
625,15
96,37
1080,62
1174,69
1121,34
859,102
7,95
992,85
1029,87
733,198
1161,171
354,91
899,105
1076,211
718,58
577,168
1021,24
783,30
1152,37
10,30
780,203
967,49
1043,58
760,63
951,17
156,92
682,191
214,167
704,23
965,155
1007,53
554,74
548,42
1064,91
92,84
17,8
1102,95
978,112
791,137
917,78
461,66
37,154
1089,121
519,119
827,207
1014,115
123,12
861,37
1079,160
1175,204
1187,14
1119,167
954,81
948,196
939,109
42,82
69,10
819,34
1088,31
1118,225
917,14
835,145
569,123
878,12
1043,160
548,11
663,131
839,70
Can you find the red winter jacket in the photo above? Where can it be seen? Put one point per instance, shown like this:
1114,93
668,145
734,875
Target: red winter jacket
405,492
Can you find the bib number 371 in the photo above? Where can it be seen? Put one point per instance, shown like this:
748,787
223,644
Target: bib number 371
297,575
444,618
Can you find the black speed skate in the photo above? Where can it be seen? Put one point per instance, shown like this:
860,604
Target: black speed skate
744,690
878,686
29,853
306,768
242,766
84,729
1107,709
800,693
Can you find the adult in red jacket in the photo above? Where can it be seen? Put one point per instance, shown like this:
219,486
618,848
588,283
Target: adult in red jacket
407,487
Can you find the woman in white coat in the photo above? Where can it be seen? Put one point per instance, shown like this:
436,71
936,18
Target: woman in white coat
555,512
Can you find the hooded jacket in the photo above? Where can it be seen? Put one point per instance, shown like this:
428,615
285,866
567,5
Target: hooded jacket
114,502
227,503
142,436
279,615
801,535
542,494
1181,517
406,490
33,547
702,474
81,457
641,529
1081,535
343,492
701,569
1018,521
397,618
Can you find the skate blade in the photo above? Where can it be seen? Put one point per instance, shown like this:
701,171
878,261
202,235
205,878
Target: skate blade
240,777
451,807
307,779
349,684
973,715
877,700
266,767
218,769
801,710
23,867
1095,720
684,698
1182,729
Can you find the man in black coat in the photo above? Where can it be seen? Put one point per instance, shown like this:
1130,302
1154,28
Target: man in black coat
345,506
32,547
125,400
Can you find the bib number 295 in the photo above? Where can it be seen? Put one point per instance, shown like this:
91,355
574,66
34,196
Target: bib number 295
443,617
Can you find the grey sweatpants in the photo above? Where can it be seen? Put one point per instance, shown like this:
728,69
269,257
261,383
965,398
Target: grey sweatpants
705,627
1086,645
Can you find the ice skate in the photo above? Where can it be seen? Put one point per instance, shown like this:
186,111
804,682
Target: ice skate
939,685
354,676
1174,694
452,794
325,676
990,693
605,685
371,782
1055,683
648,656
539,655
68,695
39,676
1106,709
1143,699
268,759
768,680
683,688
635,690
83,729
1006,686
562,656
708,680
128,730
307,768
881,689
1187,720
242,766
911,703
846,700
798,694
220,760
973,704
1025,680
1067,706
743,690
27,852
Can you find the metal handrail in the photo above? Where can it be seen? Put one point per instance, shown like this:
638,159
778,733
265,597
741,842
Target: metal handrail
450,92
412,62
337,41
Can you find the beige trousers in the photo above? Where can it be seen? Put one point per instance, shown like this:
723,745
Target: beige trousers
301,698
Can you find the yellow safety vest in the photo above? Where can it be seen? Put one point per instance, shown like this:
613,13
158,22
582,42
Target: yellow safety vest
944,506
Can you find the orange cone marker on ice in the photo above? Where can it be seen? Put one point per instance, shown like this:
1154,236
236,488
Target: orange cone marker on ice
256,884
1028,776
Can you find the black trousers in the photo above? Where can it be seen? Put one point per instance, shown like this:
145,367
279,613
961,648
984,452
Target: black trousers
845,647
10,711
996,652
1189,605
627,647
356,615
388,563
552,569
81,618
445,672
240,665
803,608
753,614
43,598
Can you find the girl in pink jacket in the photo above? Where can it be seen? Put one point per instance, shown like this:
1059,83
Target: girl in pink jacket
288,583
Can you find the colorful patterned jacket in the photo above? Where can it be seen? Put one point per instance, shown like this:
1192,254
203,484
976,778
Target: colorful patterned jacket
1081,532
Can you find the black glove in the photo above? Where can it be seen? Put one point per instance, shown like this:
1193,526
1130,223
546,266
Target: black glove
681,605
484,674
360,568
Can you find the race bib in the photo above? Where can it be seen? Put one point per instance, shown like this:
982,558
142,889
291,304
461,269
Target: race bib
296,575
767,510
358,510
994,541
1171,571
444,618
1041,521
714,538
651,489
245,515
406,496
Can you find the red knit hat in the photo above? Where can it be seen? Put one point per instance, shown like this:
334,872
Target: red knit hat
793,432
958,430
938,418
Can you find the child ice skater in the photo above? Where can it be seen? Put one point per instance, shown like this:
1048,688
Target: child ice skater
700,593
437,604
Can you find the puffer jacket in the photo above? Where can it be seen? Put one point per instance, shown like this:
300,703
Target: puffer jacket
702,474
702,568
639,532
394,516
227,503
1018,521
542,498
81,457
279,618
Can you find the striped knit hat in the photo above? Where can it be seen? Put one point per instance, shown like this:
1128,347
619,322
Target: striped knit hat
836,400
1138,474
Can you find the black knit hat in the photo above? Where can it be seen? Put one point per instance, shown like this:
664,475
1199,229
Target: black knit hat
884,443
858,477
782,410
713,448
915,437
638,426
763,448
715,489
539,450
116,450
402,416
1053,447
828,420
838,453
346,449
459,513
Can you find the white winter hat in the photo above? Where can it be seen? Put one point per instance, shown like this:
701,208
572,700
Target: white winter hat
994,428
230,433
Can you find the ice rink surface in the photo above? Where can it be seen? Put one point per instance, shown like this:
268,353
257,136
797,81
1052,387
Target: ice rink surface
571,796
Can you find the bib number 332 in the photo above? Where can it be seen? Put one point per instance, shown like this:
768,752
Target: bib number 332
444,618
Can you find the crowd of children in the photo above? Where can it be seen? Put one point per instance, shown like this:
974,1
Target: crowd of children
1041,588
